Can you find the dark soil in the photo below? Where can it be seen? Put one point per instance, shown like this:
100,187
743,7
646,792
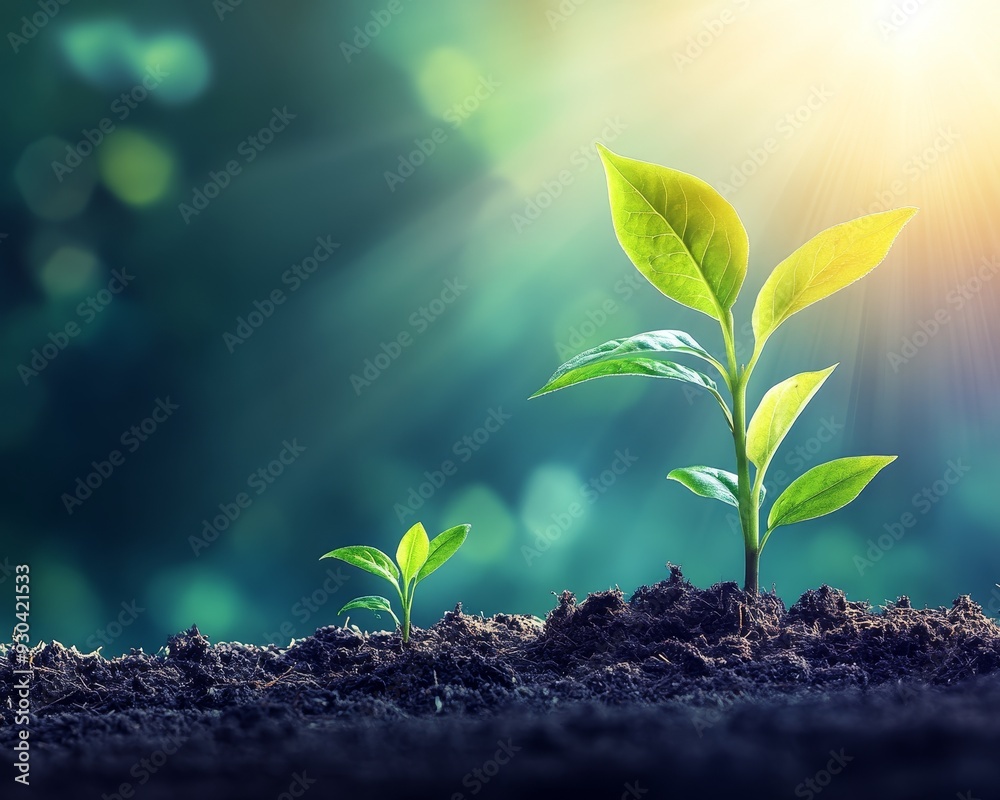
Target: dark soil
678,693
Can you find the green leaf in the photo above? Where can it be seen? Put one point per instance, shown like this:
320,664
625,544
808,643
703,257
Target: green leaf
631,365
372,602
681,234
412,552
826,488
777,412
624,365
652,342
716,484
709,482
370,559
442,547
833,259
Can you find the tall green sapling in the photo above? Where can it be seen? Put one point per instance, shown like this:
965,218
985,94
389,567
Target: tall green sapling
689,242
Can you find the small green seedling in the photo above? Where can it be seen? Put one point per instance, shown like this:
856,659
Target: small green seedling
417,557
689,242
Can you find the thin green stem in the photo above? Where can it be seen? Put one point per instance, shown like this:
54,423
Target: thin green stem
748,493
405,601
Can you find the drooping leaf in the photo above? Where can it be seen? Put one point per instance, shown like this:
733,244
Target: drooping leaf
681,234
442,547
370,559
777,412
632,365
826,488
716,484
624,365
372,602
652,342
828,262
412,552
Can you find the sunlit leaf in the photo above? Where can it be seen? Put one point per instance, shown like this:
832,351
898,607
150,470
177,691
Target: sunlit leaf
412,552
828,262
681,234
777,412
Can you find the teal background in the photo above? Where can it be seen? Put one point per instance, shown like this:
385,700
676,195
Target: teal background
494,260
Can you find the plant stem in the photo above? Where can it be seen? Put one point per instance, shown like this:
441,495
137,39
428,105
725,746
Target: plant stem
405,602
750,575
747,492
405,627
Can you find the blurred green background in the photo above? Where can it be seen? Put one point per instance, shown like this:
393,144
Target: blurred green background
372,229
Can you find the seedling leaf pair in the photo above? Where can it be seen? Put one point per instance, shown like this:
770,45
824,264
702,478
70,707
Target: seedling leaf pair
689,242
417,557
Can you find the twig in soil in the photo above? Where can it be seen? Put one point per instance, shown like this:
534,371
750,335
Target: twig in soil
280,677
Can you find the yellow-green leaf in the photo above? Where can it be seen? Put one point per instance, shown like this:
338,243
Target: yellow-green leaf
828,262
681,234
442,547
777,412
412,552
824,489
